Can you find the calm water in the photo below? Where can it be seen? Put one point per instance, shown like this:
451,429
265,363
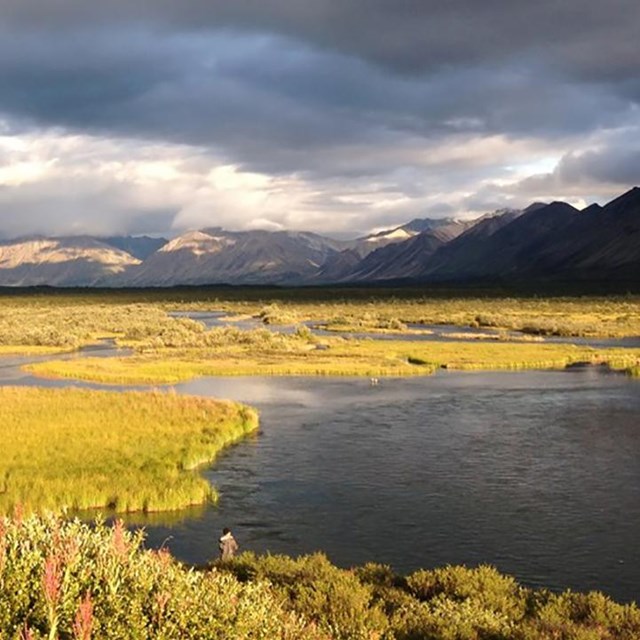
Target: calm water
535,472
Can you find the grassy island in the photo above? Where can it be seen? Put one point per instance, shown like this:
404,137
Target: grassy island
66,579
276,354
66,449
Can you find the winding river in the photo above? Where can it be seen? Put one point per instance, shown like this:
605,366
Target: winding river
535,472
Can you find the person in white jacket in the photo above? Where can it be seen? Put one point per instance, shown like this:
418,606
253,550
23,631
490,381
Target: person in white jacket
227,545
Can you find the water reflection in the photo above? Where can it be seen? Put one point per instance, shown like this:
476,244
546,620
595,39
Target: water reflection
535,472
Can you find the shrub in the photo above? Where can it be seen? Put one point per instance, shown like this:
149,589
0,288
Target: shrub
333,598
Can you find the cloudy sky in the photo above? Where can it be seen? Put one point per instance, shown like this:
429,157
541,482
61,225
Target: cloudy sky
337,116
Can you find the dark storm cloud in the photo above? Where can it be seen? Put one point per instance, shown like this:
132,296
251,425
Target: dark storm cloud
335,91
275,105
409,35
616,164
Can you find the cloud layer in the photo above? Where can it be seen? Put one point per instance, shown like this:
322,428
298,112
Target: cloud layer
127,117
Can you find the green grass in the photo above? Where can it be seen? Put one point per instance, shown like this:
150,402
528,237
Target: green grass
66,579
66,449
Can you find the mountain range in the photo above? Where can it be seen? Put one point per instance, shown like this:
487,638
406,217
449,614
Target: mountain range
544,241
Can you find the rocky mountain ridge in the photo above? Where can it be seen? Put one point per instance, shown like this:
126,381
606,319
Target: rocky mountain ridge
543,241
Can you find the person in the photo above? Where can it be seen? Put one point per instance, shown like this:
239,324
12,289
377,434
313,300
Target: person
227,545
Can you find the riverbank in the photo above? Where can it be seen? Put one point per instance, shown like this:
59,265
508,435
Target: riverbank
69,579
73,449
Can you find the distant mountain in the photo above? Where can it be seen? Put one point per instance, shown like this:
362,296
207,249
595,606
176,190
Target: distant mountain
247,257
451,227
511,249
462,254
377,249
74,261
365,245
140,247
541,242
601,243
397,261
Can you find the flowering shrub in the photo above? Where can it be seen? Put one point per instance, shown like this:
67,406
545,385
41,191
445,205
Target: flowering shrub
65,579
68,580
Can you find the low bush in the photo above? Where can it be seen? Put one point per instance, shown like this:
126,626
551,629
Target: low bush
335,599
69,580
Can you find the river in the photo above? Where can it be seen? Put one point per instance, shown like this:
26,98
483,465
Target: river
535,472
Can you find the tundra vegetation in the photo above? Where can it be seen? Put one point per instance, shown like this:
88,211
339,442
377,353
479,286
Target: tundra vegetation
66,579
170,349
67,449
71,449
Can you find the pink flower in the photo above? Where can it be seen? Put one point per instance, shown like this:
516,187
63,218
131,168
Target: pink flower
51,580
84,619
26,633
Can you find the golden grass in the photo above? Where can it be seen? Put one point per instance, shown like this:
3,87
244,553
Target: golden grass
71,319
595,316
340,358
78,449
173,349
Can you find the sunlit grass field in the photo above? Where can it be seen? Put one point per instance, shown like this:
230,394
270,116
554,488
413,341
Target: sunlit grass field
339,358
72,318
66,449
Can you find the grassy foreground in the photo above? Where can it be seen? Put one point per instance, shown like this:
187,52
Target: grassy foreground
78,449
65,579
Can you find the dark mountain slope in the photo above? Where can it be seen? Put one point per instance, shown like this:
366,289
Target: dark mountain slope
462,254
140,247
510,250
398,261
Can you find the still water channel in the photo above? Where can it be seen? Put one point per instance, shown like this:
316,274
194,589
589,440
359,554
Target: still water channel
537,473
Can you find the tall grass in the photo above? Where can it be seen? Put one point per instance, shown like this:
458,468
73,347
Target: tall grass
173,349
66,320
66,449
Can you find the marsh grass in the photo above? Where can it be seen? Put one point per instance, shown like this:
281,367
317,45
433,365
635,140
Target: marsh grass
340,357
68,319
68,449
169,349
358,310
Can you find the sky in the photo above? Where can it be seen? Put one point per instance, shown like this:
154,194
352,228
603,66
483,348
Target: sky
334,116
